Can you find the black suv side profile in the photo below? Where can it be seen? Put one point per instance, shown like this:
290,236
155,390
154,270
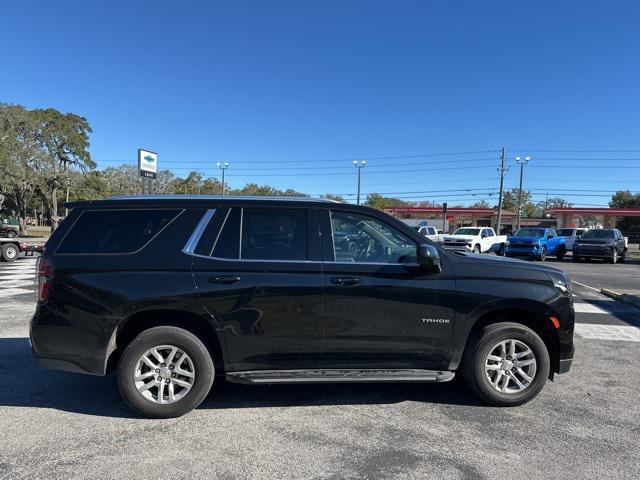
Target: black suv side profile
606,244
173,291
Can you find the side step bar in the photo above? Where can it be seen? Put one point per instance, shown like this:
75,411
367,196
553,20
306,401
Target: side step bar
254,377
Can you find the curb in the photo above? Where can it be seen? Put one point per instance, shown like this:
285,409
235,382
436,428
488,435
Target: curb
630,299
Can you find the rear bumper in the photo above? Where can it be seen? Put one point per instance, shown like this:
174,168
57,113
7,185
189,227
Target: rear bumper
58,344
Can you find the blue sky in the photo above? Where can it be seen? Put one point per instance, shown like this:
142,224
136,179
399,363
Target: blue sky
289,92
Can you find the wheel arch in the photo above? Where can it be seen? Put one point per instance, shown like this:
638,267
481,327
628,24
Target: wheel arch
534,316
138,322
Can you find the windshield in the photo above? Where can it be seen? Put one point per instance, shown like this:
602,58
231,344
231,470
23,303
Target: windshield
598,234
530,232
467,231
565,232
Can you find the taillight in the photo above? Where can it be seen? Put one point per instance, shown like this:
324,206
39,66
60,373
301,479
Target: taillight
44,271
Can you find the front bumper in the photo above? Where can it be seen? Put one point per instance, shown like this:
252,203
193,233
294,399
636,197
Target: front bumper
593,251
457,247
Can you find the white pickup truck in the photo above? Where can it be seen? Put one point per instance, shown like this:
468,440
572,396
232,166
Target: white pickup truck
430,232
476,240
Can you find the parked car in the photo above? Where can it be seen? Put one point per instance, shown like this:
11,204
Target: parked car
570,235
431,233
176,291
476,240
536,243
606,244
9,231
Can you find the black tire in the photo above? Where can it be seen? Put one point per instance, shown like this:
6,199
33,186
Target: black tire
477,249
614,257
502,249
623,257
479,347
9,252
184,340
560,255
577,259
543,254
11,234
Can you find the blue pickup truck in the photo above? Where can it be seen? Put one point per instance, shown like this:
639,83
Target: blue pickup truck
536,243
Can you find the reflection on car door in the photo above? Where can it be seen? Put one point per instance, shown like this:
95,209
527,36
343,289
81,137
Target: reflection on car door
382,310
258,274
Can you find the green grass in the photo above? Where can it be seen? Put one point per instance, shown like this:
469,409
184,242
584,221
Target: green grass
33,231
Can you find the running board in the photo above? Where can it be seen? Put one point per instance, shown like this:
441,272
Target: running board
254,377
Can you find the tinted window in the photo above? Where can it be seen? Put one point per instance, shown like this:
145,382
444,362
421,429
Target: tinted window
228,243
270,234
551,232
373,242
114,231
488,233
598,234
530,232
580,231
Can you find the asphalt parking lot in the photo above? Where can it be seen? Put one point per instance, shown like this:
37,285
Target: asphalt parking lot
586,424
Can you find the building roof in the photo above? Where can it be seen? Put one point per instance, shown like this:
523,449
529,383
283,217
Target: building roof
620,212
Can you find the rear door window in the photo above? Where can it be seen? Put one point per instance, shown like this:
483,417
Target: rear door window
274,234
115,231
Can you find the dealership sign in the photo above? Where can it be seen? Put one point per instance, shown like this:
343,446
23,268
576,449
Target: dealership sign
147,163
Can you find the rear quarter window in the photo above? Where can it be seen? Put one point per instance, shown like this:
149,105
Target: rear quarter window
115,231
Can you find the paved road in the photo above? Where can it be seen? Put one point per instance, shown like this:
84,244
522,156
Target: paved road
584,425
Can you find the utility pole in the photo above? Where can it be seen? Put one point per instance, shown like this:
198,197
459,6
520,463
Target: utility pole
359,166
501,170
223,167
522,162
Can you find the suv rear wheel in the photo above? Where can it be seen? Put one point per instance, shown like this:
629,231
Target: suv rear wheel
506,364
165,372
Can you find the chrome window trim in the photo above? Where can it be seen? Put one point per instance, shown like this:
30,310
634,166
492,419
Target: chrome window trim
224,222
190,246
244,260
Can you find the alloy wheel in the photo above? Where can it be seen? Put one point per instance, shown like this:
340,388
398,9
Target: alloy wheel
164,374
510,366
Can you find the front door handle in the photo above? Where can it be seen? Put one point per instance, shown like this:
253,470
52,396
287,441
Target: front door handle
345,280
224,279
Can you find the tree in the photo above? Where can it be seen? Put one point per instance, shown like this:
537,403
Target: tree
510,203
64,140
625,199
331,196
376,200
481,204
19,154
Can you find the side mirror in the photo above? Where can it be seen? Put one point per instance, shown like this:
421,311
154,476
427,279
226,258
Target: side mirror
429,258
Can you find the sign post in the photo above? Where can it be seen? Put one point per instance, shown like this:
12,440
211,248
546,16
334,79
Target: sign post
148,167
444,217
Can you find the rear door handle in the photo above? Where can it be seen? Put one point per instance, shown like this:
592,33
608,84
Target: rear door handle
345,280
224,279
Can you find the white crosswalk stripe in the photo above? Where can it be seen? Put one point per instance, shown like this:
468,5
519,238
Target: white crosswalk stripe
620,333
588,308
607,321
17,278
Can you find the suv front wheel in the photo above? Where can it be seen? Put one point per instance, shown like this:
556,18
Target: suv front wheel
506,364
165,372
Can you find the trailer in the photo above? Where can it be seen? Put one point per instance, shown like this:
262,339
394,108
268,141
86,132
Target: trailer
11,248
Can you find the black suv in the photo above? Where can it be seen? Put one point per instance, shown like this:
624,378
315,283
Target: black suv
607,244
174,291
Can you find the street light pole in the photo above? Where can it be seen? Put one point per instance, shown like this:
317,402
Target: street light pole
223,167
359,166
522,162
